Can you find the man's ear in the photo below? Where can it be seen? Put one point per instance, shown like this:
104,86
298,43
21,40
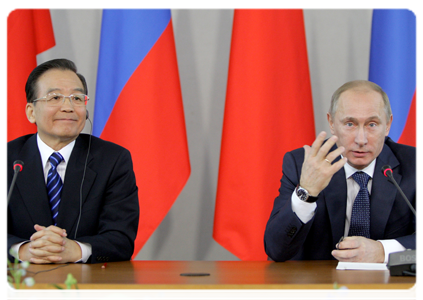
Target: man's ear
330,121
30,112
388,125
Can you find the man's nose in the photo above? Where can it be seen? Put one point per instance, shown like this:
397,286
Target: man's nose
361,136
67,104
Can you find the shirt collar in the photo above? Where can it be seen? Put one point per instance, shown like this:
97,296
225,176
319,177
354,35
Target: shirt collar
46,151
370,169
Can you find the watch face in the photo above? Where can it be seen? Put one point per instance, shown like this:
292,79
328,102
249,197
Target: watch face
302,194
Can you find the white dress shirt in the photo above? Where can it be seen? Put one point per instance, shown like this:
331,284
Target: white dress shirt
46,152
305,211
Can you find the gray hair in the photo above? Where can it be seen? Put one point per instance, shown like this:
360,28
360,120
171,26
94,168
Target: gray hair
360,85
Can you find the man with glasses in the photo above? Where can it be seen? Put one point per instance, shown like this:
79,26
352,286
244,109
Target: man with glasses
76,199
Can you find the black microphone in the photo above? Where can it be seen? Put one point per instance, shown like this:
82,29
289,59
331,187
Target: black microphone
387,171
403,262
17,167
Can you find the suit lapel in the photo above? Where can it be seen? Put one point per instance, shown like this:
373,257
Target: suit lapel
383,193
31,184
70,203
335,195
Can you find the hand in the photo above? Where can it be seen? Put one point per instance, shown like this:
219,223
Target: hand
317,169
359,249
50,245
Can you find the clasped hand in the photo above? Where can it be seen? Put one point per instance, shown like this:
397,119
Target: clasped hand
50,245
317,169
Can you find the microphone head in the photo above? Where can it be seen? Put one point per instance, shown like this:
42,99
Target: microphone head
18,165
387,170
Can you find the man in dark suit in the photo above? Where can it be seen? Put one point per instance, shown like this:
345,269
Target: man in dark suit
84,207
317,202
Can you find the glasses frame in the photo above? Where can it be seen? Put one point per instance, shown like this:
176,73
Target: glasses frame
64,97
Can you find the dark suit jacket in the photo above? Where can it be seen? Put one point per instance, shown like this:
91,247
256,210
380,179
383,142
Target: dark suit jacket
286,237
110,209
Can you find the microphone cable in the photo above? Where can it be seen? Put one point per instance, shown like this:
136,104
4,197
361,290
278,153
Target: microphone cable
83,177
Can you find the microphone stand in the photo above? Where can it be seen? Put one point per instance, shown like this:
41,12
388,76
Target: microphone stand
17,167
402,263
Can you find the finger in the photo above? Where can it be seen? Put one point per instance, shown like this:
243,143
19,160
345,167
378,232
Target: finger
325,148
46,260
349,243
52,228
50,231
338,165
335,153
40,240
344,255
37,252
53,248
39,227
307,150
317,143
39,261
55,229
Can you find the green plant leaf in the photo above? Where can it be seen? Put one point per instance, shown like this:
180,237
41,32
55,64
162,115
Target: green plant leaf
70,280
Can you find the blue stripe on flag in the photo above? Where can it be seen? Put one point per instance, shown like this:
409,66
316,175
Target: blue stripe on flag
126,38
393,61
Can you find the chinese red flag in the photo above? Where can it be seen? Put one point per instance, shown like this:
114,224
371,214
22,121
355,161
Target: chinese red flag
29,32
268,112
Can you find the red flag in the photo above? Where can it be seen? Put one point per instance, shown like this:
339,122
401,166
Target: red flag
268,112
29,32
408,136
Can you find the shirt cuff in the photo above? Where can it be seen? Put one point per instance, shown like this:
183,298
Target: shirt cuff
15,249
303,210
86,251
391,246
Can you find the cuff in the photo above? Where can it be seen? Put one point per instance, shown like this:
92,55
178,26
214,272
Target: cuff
391,246
303,210
15,249
86,251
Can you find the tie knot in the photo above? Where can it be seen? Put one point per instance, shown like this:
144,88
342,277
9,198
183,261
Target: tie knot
55,159
361,178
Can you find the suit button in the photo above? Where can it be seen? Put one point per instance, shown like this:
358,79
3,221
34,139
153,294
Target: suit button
292,231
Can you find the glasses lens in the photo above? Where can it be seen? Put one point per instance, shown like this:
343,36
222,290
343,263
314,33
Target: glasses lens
54,99
79,99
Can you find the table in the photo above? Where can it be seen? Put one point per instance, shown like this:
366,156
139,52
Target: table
223,275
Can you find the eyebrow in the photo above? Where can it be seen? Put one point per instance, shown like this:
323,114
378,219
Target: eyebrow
367,120
58,89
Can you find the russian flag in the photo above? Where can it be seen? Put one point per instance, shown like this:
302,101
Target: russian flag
393,67
139,106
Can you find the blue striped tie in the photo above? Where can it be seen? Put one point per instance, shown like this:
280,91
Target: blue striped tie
54,185
360,215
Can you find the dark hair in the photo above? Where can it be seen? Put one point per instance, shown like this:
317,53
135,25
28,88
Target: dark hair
61,64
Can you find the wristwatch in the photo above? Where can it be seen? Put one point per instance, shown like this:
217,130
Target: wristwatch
303,194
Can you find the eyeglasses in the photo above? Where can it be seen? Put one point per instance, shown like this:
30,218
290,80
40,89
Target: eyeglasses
54,99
